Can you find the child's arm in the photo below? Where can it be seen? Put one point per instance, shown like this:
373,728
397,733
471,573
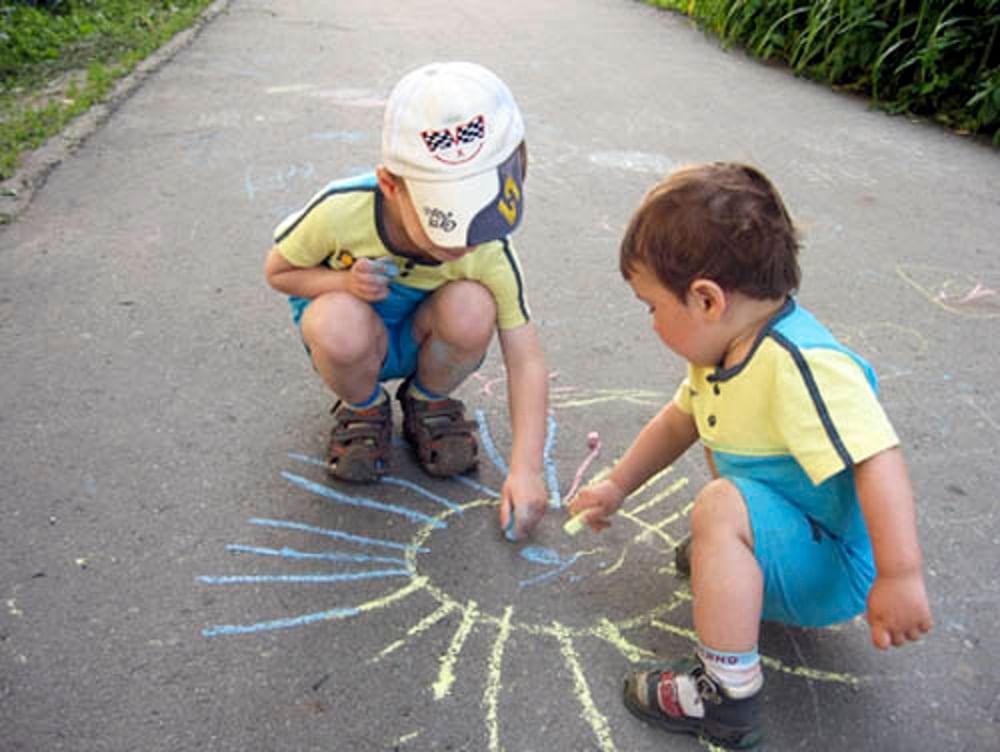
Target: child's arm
366,280
665,438
898,610
524,491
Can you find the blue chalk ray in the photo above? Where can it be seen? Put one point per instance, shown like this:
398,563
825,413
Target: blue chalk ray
478,486
391,480
541,555
337,534
258,579
566,564
290,553
267,626
488,446
359,501
306,459
551,476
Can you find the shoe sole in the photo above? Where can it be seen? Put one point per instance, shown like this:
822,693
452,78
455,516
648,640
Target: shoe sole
704,730
450,456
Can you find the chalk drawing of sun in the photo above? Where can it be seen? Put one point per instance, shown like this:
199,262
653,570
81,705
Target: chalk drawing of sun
555,589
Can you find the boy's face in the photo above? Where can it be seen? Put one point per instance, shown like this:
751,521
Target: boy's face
686,327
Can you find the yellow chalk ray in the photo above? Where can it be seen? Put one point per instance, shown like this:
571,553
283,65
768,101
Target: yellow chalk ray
617,565
810,673
609,632
406,738
669,491
651,482
423,625
648,530
674,629
417,583
597,721
491,695
446,675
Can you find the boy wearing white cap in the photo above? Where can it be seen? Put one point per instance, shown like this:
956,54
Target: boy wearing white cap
406,272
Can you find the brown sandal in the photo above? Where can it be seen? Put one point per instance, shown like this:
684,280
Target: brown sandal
360,441
445,441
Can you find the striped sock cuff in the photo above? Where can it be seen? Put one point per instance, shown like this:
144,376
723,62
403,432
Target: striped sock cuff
739,673
419,391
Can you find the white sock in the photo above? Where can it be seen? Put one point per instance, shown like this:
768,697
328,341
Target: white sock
738,673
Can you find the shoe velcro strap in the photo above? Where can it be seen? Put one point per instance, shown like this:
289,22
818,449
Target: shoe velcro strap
352,424
442,417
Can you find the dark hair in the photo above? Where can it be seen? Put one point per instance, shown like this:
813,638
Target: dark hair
720,221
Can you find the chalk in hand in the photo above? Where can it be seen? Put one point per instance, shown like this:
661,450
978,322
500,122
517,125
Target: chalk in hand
508,531
576,523
386,267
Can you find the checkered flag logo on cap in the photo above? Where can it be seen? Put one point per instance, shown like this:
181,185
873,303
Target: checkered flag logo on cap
465,133
471,131
438,140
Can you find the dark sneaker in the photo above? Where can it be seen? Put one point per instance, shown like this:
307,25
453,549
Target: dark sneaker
360,441
682,698
682,557
445,441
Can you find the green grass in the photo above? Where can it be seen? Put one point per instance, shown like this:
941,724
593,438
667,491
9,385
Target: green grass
938,59
60,57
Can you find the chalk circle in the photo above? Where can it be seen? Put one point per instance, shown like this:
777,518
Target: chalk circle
620,579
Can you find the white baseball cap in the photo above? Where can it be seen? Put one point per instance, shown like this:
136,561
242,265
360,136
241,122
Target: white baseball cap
452,132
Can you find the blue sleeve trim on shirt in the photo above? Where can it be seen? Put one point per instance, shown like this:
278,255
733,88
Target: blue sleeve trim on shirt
517,276
817,398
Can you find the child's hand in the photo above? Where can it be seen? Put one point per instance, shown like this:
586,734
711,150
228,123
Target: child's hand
898,611
370,279
598,502
524,499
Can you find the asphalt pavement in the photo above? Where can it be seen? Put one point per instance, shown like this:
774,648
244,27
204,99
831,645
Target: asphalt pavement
178,573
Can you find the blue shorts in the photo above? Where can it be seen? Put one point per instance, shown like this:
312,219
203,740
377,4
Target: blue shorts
397,312
811,577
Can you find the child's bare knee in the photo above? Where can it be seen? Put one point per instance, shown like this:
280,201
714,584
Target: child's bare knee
465,315
718,505
339,327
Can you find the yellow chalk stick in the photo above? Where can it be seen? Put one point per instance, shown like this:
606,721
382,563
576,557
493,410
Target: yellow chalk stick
575,524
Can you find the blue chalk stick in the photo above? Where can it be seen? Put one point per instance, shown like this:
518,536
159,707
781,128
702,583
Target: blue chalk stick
508,531
386,267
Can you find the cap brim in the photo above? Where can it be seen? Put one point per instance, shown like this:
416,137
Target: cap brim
473,210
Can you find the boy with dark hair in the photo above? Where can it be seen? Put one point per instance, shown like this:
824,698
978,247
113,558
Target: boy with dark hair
809,519
407,272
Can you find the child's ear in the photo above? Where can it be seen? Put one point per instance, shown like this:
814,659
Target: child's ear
388,183
709,298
